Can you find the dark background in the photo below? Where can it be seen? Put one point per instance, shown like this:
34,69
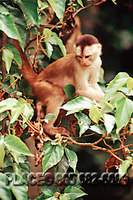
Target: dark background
113,25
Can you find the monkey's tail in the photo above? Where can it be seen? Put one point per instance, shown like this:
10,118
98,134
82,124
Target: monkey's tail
27,71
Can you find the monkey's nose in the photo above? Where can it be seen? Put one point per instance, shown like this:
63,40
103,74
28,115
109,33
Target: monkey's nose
83,61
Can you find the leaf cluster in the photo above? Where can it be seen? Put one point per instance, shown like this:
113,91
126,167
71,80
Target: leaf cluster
12,164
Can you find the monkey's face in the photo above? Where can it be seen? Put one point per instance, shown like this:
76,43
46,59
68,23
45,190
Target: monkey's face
87,55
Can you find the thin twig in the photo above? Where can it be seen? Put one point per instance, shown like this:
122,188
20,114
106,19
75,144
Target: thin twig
93,146
10,86
2,49
43,49
34,128
107,144
89,5
123,147
84,136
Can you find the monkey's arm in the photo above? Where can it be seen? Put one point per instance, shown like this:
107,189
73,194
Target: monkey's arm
90,88
93,92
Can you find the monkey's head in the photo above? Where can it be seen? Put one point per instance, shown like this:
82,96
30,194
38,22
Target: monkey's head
87,49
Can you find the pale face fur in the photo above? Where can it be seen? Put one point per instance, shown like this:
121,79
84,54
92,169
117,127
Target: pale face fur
88,54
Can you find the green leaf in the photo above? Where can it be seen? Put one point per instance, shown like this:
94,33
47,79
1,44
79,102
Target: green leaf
47,193
80,3
106,107
8,161
56,53
77,104
115,97
16,168
13,143
53,188
124,109
30,9
28,111
74,192
34,31
114,1
20,23
7,104
109,122
12,79
53,41
16,54
83,122
95,114
5,193
20,189
16,111
130,84
60,43
47,34
69,90
3,115
41,197
64,197
21,107
120,79
7,57
98,129
1,139
16,156
7,24
124,167
72,158
58,7
124,90
62,167
2,155
53,155
48,117
49,49
115,136
42,5
24,164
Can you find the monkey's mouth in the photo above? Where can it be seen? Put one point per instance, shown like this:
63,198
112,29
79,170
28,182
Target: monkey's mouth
85,64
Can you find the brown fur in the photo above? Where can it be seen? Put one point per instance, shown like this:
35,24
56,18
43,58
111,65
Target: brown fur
48,86
85,40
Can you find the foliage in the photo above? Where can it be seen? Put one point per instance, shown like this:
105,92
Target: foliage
110,121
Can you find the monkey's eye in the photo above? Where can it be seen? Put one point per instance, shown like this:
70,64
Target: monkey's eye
87,56
79,56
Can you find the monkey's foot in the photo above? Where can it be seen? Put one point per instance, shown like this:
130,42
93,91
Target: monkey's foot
62,131
56,130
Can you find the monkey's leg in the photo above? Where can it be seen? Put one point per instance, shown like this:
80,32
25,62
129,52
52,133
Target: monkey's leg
54,103
40,113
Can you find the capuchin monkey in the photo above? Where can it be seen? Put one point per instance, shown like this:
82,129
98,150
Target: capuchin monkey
80,69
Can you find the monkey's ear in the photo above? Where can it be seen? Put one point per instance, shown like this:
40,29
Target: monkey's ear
99,46
77,50
100,49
